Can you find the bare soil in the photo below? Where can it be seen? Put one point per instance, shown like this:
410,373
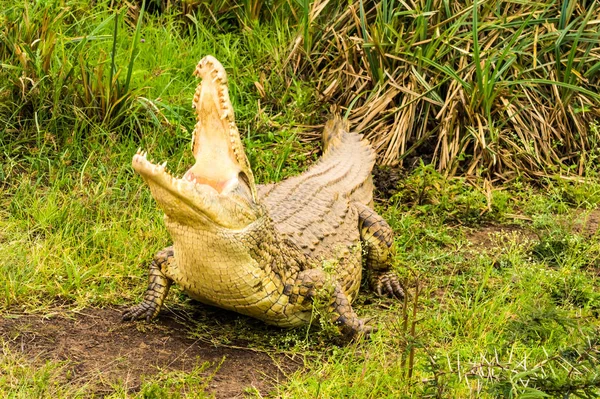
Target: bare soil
101,350
386,180
485,237
587,224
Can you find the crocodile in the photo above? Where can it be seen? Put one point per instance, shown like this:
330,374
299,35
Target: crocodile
276,251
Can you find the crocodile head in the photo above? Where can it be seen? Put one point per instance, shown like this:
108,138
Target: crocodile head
219,189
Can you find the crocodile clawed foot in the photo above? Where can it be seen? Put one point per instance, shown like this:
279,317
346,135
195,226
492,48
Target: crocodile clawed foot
365,331
387,283
355,328
158,288
145,310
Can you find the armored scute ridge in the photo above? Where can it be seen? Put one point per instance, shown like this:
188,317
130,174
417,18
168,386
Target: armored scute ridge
267,251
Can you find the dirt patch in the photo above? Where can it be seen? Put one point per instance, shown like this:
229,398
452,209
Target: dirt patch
386,180
487,237
580,222
102,350
586,223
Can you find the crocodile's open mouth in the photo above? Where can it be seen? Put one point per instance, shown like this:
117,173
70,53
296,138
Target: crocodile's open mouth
159,174
186,186
221,168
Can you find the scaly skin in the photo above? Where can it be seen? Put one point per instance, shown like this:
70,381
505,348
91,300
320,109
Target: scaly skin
267,251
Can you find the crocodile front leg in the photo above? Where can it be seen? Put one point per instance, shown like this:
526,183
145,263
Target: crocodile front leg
315,284
377,237
158,288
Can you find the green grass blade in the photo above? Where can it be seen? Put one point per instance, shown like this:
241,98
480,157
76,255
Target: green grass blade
134,46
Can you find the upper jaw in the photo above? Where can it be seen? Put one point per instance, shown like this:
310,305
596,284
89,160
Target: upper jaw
216,144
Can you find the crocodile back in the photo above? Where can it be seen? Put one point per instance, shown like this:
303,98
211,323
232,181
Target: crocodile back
314,209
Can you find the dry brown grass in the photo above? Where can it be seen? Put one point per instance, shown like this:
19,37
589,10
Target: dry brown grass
518,97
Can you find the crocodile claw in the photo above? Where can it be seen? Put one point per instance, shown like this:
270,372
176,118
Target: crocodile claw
355,330
365,331
145,310
387,284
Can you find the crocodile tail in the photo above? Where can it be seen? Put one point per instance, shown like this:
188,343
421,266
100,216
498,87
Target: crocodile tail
334,129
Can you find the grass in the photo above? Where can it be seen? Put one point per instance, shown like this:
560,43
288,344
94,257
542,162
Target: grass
487,91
